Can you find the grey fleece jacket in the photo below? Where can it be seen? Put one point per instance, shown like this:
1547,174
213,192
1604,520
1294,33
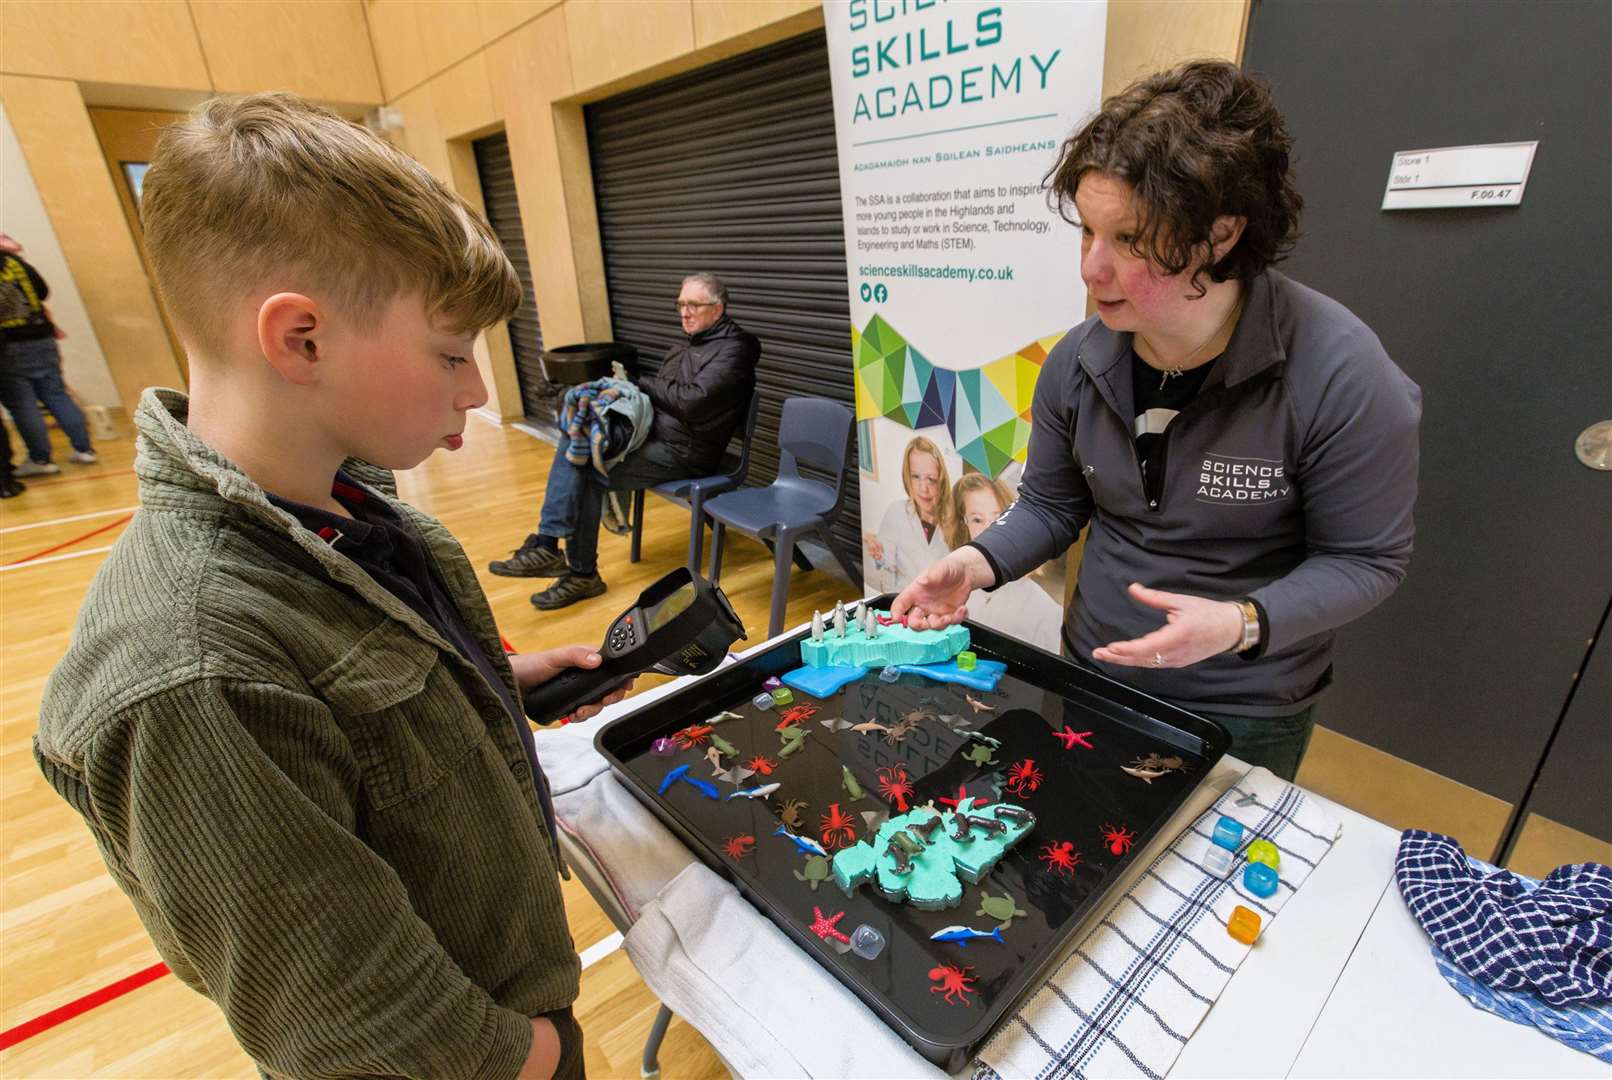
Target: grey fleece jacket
1290,478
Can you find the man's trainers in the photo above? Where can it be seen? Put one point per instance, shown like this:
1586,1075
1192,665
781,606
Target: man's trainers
37,468
532,560
84,457
10,489
568,590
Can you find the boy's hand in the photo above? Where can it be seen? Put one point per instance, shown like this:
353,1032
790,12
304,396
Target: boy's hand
544,1057
539,667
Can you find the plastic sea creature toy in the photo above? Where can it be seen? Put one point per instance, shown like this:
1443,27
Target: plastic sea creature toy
721,716
838,828
737,847
926,829
756,792
960,829
976,704
905,726
1243,924
901,868
795,715
989,824
789,813
804,843
954,982
1061,858
1023,777
868,727
817,626
793,741
671,778
823,925
980,755
1072,738
761,764
1004,909
1153,766
1118,839
963,935
1013,813
722,746
896,786
693,735
817,871
852,786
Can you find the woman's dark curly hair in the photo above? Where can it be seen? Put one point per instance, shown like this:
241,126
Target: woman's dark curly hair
1195,142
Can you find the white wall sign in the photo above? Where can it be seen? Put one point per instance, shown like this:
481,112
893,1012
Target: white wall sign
1494,174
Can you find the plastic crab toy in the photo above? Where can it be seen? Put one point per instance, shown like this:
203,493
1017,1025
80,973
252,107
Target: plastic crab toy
896,786
762,764
838,827
954,982
692,736
737,847
1118,839
1023,777
1061,858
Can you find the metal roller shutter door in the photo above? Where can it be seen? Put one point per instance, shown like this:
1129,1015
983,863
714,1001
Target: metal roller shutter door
732,169
504,215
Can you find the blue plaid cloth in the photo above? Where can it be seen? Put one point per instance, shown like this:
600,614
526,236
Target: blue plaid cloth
1583,1027
1554,940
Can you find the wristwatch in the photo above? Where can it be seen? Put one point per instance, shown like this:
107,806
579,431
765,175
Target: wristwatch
1250,636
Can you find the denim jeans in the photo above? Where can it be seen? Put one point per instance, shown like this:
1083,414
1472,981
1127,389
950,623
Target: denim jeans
1276,742
32,373
558,517
650,464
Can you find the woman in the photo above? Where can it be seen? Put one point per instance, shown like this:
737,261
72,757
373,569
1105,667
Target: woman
1020,608
912,534
1241,446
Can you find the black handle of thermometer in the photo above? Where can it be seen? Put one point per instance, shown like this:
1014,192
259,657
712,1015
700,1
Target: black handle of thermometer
571,689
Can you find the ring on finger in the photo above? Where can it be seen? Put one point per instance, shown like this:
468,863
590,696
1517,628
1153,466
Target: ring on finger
1158,659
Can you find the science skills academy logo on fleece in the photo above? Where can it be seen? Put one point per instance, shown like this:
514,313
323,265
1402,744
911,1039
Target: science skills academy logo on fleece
1225,480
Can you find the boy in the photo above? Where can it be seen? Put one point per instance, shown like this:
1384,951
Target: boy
285,714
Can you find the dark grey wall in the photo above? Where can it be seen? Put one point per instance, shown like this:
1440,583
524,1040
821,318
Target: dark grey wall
1503,317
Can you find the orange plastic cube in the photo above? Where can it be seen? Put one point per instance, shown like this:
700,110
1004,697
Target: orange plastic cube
1243,925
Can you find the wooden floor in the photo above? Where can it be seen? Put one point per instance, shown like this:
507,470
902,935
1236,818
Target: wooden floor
66,930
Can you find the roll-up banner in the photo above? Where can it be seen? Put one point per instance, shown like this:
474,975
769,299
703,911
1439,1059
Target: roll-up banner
962,277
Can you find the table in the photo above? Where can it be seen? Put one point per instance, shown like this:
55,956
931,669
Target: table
1340,984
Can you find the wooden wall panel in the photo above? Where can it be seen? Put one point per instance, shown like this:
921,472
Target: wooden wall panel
716,21
1145,36
499,17
65,158
611,40
149,44
317,48
463,96
394,32
450,30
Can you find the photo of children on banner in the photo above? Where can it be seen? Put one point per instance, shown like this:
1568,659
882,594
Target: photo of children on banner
1021,608
929,516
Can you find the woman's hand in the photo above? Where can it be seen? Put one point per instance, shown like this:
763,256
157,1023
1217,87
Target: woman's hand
1194,629
539,667
936,597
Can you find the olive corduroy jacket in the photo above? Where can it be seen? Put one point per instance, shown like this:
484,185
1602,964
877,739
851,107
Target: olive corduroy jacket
321,811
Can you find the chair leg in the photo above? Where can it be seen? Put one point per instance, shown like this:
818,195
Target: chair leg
780,581
637,526
696,528
657,1032
717,531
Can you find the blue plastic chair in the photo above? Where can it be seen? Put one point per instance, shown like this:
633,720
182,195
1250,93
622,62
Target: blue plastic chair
695,490
815,432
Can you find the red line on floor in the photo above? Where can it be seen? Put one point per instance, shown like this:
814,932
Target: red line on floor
56,481
38,1024
124,520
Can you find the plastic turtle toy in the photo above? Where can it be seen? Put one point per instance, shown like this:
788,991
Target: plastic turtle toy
1004,909
818,871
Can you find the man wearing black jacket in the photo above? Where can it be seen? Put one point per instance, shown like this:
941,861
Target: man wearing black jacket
700,394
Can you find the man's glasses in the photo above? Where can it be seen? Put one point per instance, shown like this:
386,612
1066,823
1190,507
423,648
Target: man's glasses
688,306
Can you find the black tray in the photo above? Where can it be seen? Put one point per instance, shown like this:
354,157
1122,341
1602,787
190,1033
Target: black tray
1082,791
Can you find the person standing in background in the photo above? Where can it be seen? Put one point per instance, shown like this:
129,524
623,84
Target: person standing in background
31,371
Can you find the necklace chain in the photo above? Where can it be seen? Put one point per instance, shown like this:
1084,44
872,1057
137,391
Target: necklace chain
1168,373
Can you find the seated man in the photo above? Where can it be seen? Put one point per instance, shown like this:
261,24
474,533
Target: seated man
700,396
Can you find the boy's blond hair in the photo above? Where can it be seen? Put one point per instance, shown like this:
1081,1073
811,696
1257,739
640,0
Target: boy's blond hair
250,189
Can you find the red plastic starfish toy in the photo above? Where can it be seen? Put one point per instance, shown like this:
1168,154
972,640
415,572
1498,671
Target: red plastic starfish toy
1071,738
823,925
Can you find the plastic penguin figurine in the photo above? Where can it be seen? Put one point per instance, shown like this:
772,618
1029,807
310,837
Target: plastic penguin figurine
817,626
839,617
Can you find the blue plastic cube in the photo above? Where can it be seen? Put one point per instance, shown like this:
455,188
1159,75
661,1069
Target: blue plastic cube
1260,879
1228,833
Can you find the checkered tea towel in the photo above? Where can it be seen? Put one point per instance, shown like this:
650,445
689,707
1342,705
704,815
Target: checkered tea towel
1125,1000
